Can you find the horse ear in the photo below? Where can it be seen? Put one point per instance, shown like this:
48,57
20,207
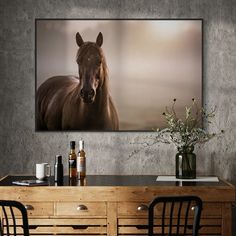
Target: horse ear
99,40
79,39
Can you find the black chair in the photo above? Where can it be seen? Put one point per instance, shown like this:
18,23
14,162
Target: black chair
9,223
175,216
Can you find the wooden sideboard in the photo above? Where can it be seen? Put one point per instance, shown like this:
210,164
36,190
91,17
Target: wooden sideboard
114,205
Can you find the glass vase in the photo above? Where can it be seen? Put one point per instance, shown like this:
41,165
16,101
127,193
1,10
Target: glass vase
185,163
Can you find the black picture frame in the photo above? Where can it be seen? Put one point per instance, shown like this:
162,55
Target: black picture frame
168,102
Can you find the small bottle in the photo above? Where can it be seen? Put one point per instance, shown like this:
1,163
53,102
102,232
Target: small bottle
81,182
81,165
58,170
73,181
72,161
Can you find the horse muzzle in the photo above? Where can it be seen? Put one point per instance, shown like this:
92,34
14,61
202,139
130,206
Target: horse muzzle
88,96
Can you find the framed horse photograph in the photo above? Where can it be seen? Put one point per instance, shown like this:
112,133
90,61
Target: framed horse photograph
115,74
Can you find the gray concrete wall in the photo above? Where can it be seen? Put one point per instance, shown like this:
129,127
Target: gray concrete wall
108,153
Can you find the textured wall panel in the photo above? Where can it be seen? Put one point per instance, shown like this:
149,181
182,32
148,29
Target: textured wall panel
108,153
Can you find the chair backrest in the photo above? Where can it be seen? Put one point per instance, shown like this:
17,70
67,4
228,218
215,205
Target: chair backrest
10,224
174,215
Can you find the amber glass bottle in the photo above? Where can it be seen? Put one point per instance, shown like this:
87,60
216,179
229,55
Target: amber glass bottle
81,165
72,161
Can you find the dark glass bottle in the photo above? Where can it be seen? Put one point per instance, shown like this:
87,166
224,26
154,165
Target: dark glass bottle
72,161
58,170
185,163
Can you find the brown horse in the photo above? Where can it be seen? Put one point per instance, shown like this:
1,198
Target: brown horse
78,103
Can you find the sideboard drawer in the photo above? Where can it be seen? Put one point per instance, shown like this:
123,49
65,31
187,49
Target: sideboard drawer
69,226
132,208
140,226
37,209
212,210
81,209
39,226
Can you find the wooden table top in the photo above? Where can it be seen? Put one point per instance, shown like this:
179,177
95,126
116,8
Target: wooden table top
117,180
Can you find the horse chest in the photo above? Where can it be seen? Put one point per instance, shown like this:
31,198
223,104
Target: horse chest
83,117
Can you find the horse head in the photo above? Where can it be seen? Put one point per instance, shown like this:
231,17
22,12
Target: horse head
92,67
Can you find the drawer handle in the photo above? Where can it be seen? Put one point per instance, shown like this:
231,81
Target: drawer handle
82,208
141,227
29,207
33,226
142,207
82,227
191,227
193,208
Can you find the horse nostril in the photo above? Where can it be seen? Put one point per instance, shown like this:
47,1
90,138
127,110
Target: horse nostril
82,93
91,93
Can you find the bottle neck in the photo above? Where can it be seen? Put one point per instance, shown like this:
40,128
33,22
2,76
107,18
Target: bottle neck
81,154
81,145
186,149
58,159
72,151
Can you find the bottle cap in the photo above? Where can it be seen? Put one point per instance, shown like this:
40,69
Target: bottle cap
81,145
72,144
58,159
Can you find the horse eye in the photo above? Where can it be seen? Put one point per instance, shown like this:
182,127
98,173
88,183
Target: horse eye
98,61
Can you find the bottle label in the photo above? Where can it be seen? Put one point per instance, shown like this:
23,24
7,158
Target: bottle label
82,165
72,163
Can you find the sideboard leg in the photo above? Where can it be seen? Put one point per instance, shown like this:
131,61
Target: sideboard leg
227,219
112,219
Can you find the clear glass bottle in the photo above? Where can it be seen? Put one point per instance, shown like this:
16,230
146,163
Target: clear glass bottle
81,165
72,161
